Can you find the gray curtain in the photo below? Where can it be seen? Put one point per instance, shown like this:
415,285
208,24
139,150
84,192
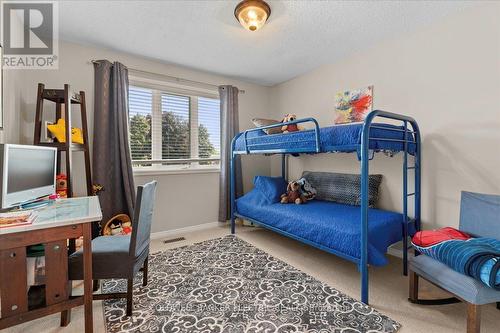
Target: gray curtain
229,128
112,165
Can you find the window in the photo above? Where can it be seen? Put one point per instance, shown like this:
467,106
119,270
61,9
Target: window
171,131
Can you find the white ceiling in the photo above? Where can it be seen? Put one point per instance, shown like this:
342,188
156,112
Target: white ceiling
299,36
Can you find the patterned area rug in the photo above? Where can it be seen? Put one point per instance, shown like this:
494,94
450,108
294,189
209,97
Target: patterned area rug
227,285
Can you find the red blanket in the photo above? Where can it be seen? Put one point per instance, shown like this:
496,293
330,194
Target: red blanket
432,237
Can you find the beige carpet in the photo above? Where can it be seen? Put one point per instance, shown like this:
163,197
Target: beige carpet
388,287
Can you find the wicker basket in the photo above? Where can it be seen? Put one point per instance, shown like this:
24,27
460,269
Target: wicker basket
117,219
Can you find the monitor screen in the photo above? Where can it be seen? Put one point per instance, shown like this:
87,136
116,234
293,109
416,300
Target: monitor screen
30,169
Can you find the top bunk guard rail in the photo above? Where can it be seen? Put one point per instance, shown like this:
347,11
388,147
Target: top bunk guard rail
368,123
411,136
297,121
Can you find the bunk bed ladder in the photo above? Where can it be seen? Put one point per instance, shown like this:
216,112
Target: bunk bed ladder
365,158
416,193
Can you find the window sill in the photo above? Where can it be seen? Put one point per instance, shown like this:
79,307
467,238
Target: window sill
150,172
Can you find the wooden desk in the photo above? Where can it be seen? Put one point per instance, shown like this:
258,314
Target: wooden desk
63,220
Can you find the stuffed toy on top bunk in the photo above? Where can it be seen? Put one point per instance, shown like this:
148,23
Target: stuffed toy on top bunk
291,127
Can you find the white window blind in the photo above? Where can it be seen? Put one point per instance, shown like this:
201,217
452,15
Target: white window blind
173,131
209,127
140,113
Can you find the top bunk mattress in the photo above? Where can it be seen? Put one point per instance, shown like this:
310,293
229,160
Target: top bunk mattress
340,138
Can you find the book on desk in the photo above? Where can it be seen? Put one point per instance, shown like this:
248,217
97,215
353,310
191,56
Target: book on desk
17,218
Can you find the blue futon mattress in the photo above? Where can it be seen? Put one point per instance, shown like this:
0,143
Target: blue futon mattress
328,224
340,138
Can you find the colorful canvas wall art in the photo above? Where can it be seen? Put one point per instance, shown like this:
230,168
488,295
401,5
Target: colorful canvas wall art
352,106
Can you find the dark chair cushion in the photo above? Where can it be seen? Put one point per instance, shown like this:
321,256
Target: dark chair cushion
342,187
110,259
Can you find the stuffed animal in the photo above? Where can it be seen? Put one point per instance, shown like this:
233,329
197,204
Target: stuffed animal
118,225
62,185
292,127
116,229
306,189
126,227
293,194
59,131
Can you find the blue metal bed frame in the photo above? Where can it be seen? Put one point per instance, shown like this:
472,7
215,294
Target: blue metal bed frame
364,157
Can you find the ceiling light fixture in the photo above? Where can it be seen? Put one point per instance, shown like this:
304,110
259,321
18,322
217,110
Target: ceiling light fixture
252,14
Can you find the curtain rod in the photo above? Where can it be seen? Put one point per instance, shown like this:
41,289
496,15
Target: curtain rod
174,78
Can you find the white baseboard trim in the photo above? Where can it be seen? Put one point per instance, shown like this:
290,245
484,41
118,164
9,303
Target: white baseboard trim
176,232
394,250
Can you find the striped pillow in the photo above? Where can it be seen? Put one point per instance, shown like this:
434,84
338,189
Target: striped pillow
342,187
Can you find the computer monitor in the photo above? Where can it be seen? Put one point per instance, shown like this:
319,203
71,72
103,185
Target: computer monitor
27,173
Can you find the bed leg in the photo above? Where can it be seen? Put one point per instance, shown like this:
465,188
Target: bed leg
473,318
405,251
413,291
364,284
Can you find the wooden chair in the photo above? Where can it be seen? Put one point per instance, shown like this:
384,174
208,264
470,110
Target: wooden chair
121,257
479,216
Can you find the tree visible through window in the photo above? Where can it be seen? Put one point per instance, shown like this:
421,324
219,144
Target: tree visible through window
209,127
175,131
165,126
140,111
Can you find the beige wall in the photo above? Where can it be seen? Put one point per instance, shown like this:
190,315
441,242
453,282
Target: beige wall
183,200
447,76
11,103
11,107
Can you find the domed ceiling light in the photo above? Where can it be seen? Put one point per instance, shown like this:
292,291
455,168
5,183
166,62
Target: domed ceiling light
252,14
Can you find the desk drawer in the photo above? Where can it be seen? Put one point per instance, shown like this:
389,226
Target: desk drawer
32,237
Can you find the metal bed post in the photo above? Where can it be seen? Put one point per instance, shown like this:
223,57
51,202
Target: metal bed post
283,166
363,264
232,189
405,200
418,184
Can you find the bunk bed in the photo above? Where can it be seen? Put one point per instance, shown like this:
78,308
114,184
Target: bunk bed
372,229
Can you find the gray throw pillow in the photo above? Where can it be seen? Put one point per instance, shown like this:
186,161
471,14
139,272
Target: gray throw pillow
259,122
342,187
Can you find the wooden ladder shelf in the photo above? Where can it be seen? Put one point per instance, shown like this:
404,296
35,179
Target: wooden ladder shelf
64,100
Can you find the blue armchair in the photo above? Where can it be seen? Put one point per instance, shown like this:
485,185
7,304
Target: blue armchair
479,216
